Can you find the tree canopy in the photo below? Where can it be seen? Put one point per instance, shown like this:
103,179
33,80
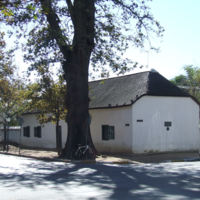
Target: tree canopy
49,27
80,34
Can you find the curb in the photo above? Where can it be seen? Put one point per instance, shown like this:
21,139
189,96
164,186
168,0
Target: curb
71,161
120,162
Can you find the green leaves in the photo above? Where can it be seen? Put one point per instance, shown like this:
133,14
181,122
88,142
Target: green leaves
31,7
12,99
6,66
190,82
35,17
12,93
48,97
7,12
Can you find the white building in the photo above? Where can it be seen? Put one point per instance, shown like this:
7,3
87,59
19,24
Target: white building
138,113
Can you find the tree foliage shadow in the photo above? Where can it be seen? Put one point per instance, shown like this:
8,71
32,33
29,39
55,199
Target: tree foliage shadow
128,181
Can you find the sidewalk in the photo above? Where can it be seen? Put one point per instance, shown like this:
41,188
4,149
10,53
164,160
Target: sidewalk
153,157
113,158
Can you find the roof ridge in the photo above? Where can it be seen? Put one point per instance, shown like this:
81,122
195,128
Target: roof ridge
116,77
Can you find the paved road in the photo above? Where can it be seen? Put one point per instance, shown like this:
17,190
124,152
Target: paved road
29,179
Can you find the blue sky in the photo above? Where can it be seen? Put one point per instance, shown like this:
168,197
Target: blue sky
180,45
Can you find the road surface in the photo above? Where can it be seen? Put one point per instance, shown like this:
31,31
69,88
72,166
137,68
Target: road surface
29,179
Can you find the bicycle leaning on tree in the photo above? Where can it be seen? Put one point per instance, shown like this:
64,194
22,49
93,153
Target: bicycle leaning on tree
84,152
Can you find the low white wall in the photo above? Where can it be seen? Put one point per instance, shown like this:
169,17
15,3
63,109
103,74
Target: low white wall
13,134
120,118
48,139
152,135
1,136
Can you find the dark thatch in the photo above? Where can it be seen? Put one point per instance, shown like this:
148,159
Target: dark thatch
126,90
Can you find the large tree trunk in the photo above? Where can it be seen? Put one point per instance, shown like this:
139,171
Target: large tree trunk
76,72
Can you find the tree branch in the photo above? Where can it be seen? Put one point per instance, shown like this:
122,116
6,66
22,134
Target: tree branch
130,9
54,21
71,9
124,6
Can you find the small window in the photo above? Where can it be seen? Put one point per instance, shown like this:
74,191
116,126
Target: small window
37,132
108,132
167,124
26,131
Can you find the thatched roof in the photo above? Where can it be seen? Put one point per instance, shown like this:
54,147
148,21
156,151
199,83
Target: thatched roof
126,90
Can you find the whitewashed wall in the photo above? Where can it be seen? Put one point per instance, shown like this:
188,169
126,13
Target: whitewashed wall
13,133
1,136
120,118
117,117
151,134
48,139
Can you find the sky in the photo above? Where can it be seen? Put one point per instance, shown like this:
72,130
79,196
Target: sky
180,44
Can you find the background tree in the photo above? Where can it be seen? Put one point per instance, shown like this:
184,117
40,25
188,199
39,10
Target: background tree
180,80
190,82
78,33
12,104
47,97
12,94
6,59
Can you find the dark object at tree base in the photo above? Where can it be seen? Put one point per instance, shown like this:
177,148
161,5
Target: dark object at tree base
82,153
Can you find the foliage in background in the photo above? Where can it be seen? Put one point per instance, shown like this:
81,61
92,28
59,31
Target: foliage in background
47,98
189,82
12,92
12,101
6,63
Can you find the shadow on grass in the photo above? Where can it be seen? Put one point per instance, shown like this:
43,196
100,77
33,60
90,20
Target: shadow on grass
133,181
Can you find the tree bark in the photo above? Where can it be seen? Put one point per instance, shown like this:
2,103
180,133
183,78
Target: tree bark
75,66
76,73
58,138
5,143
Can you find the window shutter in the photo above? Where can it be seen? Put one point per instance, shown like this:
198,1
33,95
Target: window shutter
112,132
35,131
105,132
26,131
39,131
